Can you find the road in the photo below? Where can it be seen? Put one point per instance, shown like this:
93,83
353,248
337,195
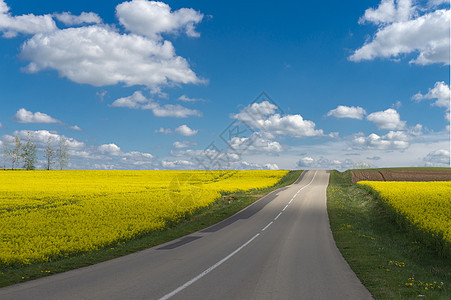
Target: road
281,247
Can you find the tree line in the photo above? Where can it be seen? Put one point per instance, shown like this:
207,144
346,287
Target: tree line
26,153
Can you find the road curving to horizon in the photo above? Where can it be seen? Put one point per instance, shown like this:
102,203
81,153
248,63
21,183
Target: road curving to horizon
280,247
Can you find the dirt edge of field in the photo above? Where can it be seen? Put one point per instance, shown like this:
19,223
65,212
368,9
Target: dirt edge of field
400,175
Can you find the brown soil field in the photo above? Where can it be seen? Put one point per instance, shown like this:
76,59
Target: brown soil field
401,175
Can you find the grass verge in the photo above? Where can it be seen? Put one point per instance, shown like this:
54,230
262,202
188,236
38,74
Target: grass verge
222,208
388,261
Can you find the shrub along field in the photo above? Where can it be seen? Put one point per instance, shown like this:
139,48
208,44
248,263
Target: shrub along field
392,261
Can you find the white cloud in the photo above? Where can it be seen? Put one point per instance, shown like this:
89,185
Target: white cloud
139,101
176,164
387,119
441,93
394,140
426,35
181,145
389,12
136,154
256,142
84,18
351,112
163,130
111,149
152,18
185,130
40,137
1,125
171,110
26,24
308,162
185,98
76,127
292,125
25,116
262,116
438,158
135,101
245,165
99,56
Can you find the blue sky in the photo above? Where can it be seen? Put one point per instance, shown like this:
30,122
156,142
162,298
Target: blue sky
152,85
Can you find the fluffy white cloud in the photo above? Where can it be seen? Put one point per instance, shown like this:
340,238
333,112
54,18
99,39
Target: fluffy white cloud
245,165
135,101
139,101
25,116
387,119
402,31
256,142
98,55
394,140
351,112
292,125
176,164
152,18
441,93
84,18
388,12
185,130
27,24
137,158
76,127
185,98
40,137
262,116
438,157
308,162
111,149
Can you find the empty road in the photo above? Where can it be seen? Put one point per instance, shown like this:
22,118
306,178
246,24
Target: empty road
281,247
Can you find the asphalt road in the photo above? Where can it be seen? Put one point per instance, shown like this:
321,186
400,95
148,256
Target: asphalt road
281,247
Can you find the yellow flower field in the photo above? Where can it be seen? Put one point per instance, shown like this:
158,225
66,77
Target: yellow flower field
48,214
424,204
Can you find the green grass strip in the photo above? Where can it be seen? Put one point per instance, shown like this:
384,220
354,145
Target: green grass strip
386,258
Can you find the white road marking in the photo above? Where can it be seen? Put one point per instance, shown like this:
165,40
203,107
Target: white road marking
270,223
188,283
309,183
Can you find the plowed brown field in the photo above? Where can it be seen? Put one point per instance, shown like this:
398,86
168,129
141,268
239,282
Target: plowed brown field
401,175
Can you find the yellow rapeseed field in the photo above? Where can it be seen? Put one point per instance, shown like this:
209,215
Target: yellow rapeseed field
424,204
49,214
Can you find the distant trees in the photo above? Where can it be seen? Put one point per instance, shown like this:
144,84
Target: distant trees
62,153
16,152
49,154
27,153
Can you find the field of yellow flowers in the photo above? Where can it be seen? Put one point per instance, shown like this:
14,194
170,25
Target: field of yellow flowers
426,205
50,214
